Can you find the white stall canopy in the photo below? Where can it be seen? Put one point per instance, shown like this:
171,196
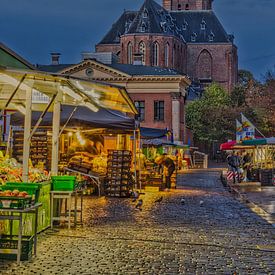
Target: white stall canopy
19,90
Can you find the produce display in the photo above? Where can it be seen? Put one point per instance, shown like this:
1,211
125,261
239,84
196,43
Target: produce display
14,199
11,171
100,164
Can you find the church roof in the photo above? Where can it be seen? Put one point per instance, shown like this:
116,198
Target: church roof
118,28
203,26
193,26
136,70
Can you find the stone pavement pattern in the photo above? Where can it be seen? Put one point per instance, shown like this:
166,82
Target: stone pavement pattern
219,236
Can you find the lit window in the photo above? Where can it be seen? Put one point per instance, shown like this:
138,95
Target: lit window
155,54
140,105
130,53
159,110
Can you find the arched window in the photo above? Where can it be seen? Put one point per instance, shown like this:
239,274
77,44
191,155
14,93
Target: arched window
129,53
166,54
187,6
179,7
155,54
142,50
204,65
174,55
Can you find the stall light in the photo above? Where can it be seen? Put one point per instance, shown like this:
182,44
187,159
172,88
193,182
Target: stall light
71,93
80,139
91,106
70,134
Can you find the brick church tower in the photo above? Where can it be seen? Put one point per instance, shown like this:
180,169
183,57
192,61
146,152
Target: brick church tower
187,4
184,35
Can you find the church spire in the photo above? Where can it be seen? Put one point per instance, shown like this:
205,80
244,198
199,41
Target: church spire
187,4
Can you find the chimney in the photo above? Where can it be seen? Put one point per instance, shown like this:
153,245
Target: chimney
55,58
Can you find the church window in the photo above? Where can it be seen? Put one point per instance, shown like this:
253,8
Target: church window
203,25
145,13
211,37
193,37
204,66
174,55
130,53
142,50
166,54
184,26
143,27
155,54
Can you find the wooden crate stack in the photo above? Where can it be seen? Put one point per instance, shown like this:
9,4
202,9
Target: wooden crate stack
119,178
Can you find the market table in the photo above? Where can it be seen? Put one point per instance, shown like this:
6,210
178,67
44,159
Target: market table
68,197
11,217
94,178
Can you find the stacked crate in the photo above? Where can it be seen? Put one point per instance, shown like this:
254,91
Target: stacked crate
119,179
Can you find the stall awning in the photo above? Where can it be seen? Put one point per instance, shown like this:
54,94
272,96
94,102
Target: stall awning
82,118
75,91
227,145
156,142
258,141
152,133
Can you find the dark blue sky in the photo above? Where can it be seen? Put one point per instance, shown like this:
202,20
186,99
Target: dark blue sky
34,28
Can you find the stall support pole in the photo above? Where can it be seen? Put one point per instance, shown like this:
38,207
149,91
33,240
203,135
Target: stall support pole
27,131
55,137
135,158
139,164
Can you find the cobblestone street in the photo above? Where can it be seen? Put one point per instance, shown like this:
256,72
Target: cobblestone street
209,233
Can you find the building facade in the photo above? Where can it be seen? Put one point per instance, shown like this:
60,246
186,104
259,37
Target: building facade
159,94
184,35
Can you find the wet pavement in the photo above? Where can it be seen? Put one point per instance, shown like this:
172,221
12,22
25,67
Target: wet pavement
199,228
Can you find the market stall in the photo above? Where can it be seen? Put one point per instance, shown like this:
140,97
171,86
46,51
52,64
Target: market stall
263,161
154,144
19,91
262,153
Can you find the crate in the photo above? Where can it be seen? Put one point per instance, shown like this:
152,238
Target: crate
15,202
33,189
63,183
7,245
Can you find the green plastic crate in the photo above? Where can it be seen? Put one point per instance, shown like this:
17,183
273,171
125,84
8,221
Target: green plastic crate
8,244
15,202
63,183
32,189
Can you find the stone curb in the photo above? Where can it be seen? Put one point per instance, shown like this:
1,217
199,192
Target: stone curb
243,199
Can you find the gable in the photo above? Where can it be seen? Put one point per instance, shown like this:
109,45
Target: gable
92,69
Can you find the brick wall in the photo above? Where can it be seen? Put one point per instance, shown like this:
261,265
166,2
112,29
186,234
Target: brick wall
224,62
190,4
114,48
149,109
175,45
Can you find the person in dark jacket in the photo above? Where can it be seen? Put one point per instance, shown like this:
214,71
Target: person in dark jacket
169,164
